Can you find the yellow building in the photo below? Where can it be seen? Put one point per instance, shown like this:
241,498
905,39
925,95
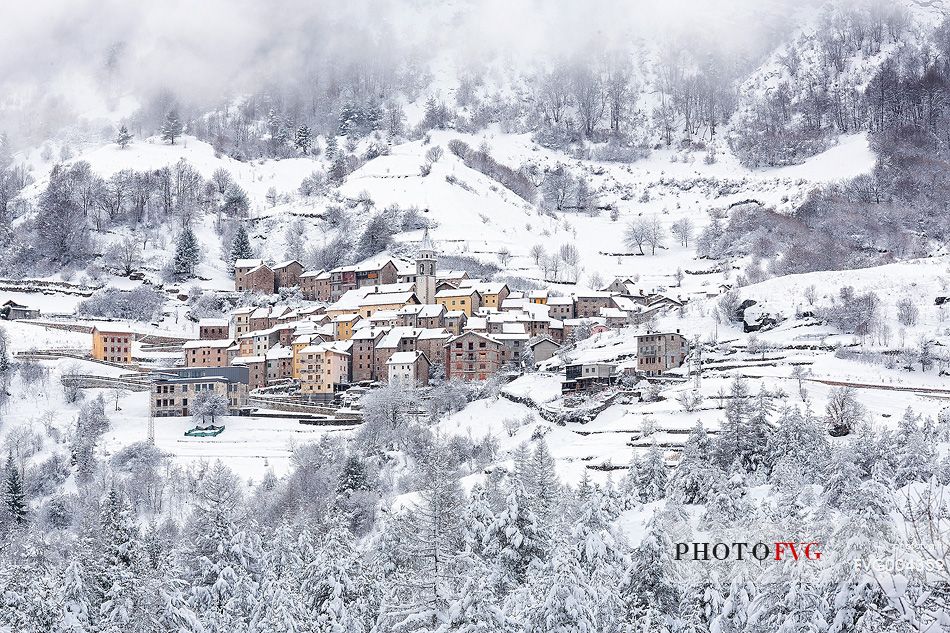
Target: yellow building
343,326
468,300
493,294
323,368
113,345
296,346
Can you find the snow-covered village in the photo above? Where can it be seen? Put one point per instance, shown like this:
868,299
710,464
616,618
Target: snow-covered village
469,317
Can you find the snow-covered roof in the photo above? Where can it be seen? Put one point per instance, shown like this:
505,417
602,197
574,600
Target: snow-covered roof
490,288
324,348
244,360
456,292
213,322
404,358
371,264
591,294
431,310
476,323
433,332
225,343
345,318
248,263
395,336
367,333
319,274
512,328
286,263
387,298
278,352
481,335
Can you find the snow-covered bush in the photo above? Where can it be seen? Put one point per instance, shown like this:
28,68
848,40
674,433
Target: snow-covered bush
140,304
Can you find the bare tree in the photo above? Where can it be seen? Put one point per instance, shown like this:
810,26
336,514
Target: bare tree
558,187
537,253
555,94
590,98
654,235
636,234
682,230
618,88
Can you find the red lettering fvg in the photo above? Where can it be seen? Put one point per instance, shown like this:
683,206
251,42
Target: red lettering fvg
808,551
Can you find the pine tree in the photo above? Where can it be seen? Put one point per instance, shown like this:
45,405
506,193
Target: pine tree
799,439
478,520
475,609
865,532
354,476
240,248
543,490
732,442
172,127
14,498
224,570
75,615
690,482
303,138
278,610
735,613
123,557
187,253
757,433
176,615
567,601
649,587
4,356
432,540
332,148
599,552
515,542
651,476
701,603
123,137
331,594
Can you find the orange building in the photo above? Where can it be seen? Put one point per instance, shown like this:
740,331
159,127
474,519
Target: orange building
113,345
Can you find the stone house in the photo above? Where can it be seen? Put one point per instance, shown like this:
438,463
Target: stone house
209,353
659,352
315,285
214,329
472,356
287,274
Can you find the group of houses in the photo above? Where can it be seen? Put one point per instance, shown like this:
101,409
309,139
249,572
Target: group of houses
381,321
